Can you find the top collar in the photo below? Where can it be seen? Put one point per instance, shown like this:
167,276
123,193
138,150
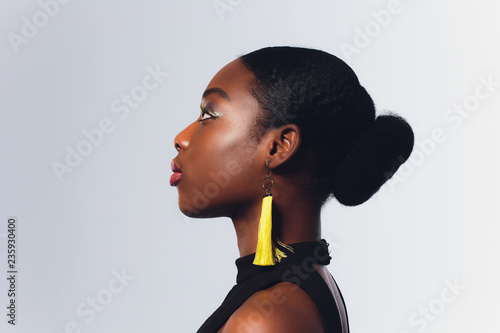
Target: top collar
315,252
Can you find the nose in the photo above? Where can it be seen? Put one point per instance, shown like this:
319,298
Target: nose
182,140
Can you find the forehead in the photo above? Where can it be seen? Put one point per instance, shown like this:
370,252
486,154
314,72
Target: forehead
233,76
228,92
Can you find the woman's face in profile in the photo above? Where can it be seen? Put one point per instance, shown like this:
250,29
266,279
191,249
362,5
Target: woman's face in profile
216,153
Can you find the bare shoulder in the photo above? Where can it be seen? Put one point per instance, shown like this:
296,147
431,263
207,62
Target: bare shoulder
285,307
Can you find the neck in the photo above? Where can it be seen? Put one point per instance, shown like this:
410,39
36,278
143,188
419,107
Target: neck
293,222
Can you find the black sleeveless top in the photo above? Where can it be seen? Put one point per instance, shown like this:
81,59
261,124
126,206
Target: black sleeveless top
295,268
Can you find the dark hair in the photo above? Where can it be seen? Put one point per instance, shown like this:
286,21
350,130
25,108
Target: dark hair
356,151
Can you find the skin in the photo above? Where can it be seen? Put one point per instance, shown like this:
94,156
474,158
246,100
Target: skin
220,151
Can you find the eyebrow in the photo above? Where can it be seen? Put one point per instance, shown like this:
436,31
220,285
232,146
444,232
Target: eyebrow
217,91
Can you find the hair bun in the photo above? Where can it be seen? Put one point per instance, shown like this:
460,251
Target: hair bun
373,160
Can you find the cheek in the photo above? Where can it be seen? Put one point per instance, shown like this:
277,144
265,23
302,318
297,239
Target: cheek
236,155
231,166
221,174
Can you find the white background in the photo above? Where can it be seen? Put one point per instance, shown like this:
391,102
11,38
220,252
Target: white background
392,256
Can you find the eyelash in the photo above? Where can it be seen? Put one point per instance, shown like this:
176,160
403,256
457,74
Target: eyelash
206,110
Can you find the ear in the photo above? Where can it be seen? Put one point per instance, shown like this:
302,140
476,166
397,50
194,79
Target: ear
281,144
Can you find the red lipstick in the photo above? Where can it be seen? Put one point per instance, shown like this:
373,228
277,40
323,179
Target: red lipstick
176,176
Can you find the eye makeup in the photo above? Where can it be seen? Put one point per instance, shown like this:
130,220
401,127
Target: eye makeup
206,110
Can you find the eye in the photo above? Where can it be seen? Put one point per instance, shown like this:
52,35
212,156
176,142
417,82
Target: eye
207,113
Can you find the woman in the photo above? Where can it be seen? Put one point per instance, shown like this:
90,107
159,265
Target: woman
281,130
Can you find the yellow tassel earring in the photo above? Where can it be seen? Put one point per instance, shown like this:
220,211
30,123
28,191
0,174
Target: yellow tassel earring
266,250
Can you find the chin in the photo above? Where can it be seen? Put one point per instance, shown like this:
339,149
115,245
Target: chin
190,212
201,213
194,206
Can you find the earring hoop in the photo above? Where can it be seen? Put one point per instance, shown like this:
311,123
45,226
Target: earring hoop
268,190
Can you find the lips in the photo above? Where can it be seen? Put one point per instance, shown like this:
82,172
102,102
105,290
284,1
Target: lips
177,174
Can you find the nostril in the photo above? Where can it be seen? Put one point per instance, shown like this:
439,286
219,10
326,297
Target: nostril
177,146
